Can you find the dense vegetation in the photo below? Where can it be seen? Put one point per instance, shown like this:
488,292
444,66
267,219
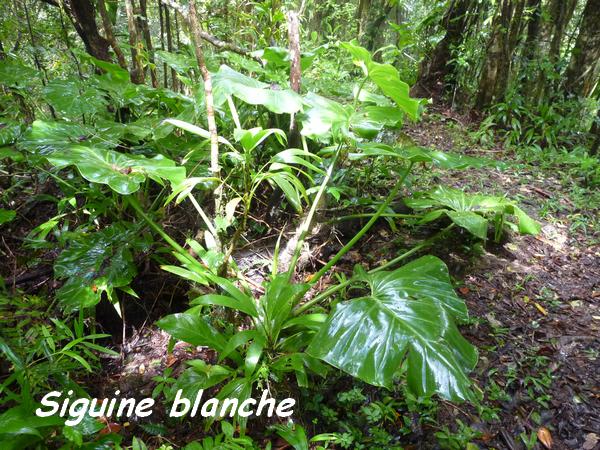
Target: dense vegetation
305,198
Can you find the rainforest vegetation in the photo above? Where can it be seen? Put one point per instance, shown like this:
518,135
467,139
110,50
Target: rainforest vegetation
384,210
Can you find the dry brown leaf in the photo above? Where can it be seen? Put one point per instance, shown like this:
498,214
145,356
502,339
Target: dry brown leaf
171,359
545,437
591,439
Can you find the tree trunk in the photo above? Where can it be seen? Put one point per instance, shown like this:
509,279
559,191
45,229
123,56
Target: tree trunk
137,71
210,108
83,16
497,65
174,79
162,42
596,132
561,12
295,70
434,69
371,15
148,41
361,16
584,67
110,36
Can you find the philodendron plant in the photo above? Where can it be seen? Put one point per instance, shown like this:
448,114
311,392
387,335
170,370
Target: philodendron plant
406,324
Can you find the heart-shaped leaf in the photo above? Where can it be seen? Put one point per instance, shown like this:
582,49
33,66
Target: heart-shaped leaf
227,82
408,316
123,173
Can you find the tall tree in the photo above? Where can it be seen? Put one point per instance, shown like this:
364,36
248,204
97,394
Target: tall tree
373,14
137,71
584,67
209,102
495,74
83,16
174,79
148,41
435,68
110,36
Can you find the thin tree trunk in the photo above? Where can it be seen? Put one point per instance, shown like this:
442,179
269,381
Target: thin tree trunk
174,79
584,67
68,43
137,71
595,131
162,42
295,70
560,14
148,41
210,109
530,65
110,36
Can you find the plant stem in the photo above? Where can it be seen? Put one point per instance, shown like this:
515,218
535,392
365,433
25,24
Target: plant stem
205,218
364,229
156,227
306,225
364,215
360,87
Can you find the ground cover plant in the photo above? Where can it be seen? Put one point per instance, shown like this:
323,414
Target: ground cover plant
386,211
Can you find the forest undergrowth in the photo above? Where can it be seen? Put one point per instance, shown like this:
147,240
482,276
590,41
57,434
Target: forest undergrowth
383,214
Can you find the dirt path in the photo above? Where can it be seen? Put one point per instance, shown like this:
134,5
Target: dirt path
535,303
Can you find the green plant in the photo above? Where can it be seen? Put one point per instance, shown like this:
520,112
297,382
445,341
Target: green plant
459,440
42,354
473,212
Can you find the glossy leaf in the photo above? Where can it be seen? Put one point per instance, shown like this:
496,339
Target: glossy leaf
95,262
123,173
462,208
46,137
6,215
386,77
408,317
192,328
72,98
324,117
227,82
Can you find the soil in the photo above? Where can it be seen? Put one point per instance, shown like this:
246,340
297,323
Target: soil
535,303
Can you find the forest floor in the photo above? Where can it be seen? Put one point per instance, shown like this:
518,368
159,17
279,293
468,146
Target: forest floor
534,302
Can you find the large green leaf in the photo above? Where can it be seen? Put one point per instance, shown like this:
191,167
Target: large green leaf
96,262
190,327
386,77
72,98
123,173
228,82
9,132
15,74
6,215
408,317
180,62
324,117
279,58
46,137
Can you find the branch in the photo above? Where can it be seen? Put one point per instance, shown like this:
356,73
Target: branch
213,40
228,46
